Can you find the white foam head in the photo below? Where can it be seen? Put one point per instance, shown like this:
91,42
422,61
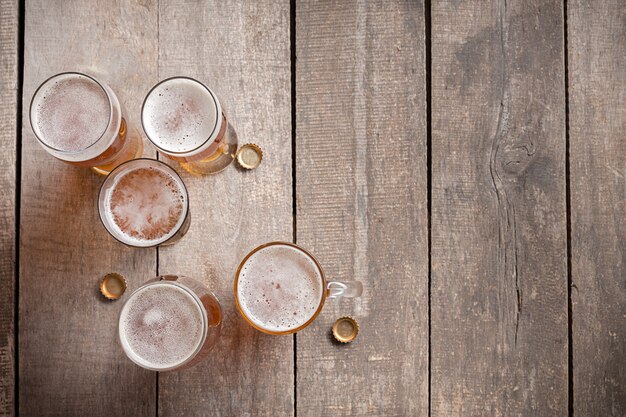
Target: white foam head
279,288
70,112
144,203
162,326
180,116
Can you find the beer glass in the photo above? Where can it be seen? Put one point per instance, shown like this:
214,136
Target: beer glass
169,323
184,119
80,121
280,288
144,203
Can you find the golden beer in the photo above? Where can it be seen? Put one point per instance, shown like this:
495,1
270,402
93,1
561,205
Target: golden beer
280,288
170,323
79,120
144,203
184,119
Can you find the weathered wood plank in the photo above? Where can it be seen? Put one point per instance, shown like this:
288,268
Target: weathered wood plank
70,363
362,203
597,118
499,250
9,22
241,50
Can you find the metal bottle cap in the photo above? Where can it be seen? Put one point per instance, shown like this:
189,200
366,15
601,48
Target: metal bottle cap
345,329
249,156
112,286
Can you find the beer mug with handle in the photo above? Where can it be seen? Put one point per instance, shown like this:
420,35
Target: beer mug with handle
79,120
184,119
144,203
280,288
170,323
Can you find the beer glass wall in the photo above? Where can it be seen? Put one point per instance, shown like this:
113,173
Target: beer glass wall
79,120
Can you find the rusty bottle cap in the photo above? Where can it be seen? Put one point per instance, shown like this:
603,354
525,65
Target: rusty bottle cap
249,156
345,329
112,286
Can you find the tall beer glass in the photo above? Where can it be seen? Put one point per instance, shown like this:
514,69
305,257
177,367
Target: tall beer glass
80,121
170,323
280,288
144,203
184,119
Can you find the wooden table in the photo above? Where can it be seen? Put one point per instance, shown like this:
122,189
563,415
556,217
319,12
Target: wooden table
464,159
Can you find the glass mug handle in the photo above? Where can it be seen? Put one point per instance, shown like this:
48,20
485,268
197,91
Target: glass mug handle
350,289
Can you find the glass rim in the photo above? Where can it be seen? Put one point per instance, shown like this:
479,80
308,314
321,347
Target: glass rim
203,312
214,131
32,100
171,171
305,252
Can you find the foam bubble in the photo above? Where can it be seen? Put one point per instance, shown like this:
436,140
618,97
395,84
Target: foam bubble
162,325
179,115
146,205
71,113
279,288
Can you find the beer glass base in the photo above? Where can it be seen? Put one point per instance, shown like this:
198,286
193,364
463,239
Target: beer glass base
218,161
134,151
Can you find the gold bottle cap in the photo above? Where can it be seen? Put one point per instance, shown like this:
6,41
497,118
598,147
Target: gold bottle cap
112,286
345,329
249,156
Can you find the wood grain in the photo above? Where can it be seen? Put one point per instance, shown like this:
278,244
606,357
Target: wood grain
499,262
597,120
362,203
70,363
8,128
240,50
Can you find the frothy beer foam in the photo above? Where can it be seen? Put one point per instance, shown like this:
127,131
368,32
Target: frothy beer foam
162,325
179,115
71,113
146,205
279,288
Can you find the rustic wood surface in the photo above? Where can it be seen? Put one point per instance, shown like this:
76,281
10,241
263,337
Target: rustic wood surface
9,23
69,361
597,119
241,51
441,183
499,249
362,203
